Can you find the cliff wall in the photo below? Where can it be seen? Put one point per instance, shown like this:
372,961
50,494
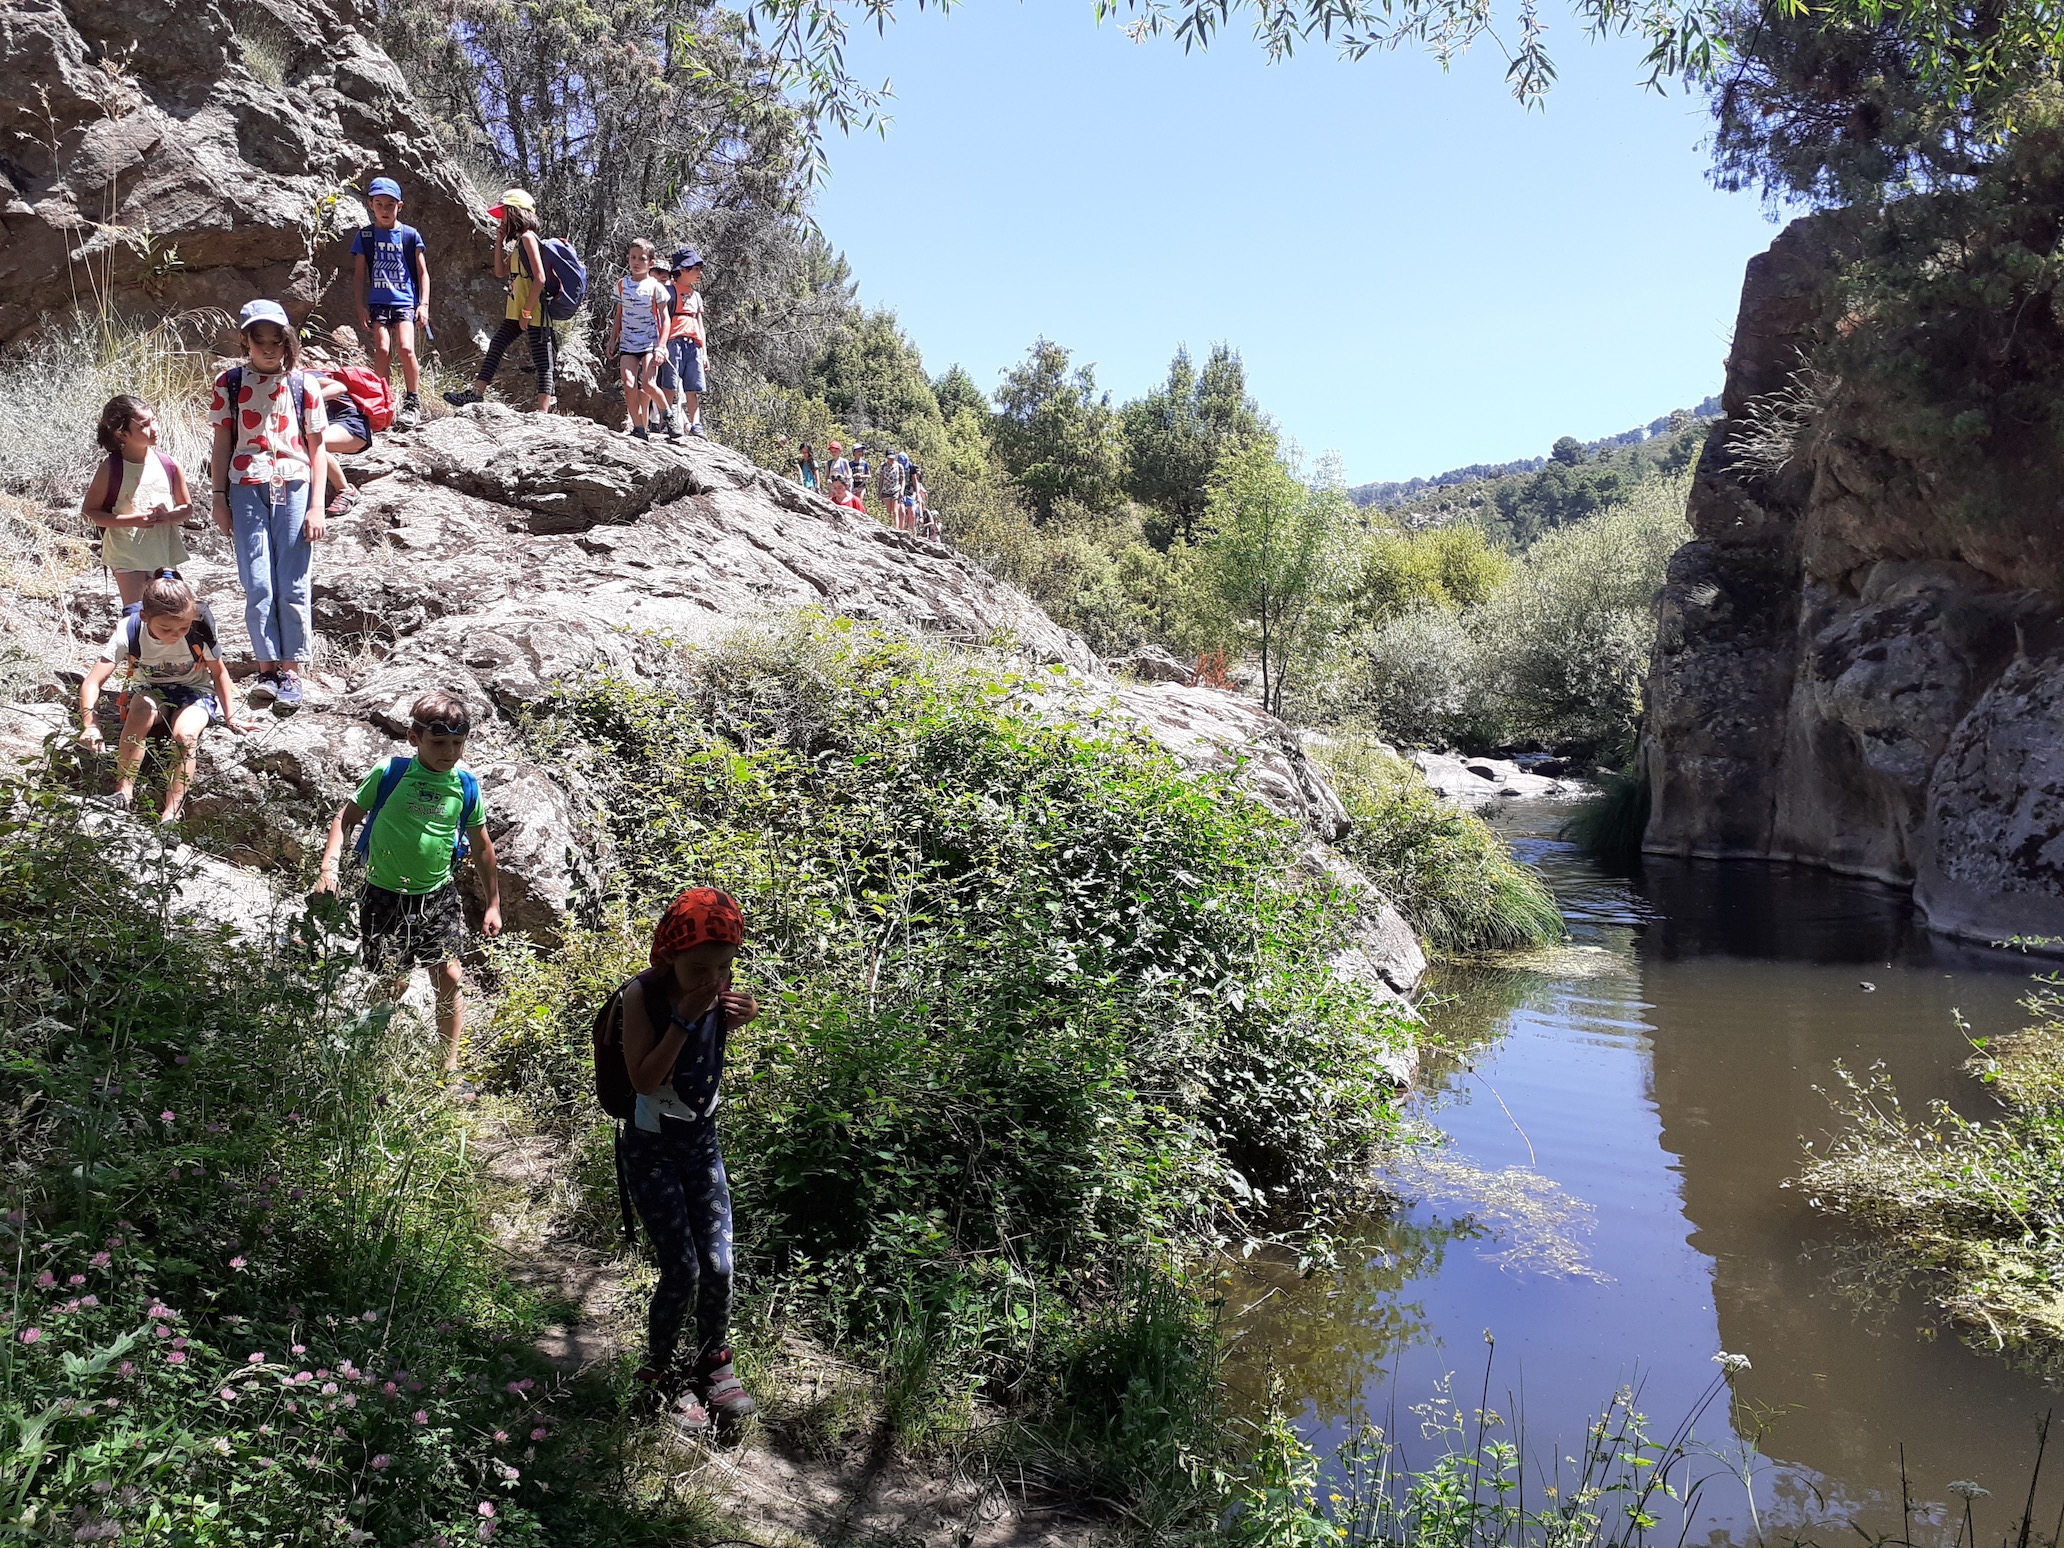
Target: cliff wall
1847,674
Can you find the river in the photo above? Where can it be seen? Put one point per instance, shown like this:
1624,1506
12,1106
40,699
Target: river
1610,1205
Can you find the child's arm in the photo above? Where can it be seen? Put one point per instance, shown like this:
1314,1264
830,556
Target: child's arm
501,258
615,327
98,497
649,1054
534,266
318,476
422,286
89,696
361,279
218,476
483,846
225,695
342,826
183,493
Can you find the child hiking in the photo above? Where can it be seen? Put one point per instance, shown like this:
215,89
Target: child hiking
174,681
391,278
423,815
636,333
268,475
674,1019
138,498
519,259
687,341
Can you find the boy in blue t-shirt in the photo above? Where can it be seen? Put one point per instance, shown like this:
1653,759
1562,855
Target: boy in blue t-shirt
392,283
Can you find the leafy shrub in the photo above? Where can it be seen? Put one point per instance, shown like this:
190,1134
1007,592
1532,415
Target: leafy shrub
254,1297
1417,676
1444,868
1034,997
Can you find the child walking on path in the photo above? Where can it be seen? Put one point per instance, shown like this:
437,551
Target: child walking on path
175,680
268,476
138,499
635,335
676,1018
521,261
391,278
423,815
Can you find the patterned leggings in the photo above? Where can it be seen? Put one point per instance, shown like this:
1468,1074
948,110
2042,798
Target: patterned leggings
677,1180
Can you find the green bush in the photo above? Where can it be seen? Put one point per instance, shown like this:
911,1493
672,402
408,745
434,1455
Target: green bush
1444,868
255,1298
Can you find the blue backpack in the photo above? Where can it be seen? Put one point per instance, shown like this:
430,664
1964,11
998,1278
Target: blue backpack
566,278
469,788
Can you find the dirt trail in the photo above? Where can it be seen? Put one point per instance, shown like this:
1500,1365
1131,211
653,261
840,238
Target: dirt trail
781,1485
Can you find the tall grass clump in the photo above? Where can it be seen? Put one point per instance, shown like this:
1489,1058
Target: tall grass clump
1610,825
252,1295
1043,1012
1980,1202
53,387
1450,876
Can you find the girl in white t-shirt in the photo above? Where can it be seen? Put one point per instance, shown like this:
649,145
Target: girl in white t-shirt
173,678
138,498
634,337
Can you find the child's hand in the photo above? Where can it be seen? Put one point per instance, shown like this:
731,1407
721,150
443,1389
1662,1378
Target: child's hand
491,921
325,881
314,524
422,317
739,1007
90,737
242,725
365,322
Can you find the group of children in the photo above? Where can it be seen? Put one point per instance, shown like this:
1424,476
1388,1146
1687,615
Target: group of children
899,481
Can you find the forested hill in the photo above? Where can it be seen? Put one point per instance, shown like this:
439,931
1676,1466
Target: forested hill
1399,492
1516,503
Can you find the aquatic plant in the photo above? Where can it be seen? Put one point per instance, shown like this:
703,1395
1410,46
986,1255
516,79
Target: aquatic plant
1609,826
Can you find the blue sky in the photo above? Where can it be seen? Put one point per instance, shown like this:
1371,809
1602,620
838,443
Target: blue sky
1418,272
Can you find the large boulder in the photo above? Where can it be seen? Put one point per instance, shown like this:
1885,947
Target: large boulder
171,157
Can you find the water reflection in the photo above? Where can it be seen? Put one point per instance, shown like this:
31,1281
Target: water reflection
1657,1078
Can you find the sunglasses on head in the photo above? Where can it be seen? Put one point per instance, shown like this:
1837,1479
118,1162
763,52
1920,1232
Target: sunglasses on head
439,728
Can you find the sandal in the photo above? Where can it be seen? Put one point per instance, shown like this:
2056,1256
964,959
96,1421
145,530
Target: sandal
343,504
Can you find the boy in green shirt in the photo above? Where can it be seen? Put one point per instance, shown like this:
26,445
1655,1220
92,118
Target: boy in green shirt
426,814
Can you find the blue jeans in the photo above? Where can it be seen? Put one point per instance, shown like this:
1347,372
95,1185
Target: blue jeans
272,555
677,1180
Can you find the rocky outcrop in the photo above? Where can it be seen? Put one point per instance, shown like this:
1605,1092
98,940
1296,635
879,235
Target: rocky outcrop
496,554
1846,672
168,157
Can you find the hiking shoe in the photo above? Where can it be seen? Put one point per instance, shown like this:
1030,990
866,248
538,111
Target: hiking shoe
263,690
641,434
343,504
410,414
717,1380
697,431
680,1408
462,397
287,697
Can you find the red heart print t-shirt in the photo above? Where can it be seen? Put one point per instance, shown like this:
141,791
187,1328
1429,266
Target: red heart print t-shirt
263,435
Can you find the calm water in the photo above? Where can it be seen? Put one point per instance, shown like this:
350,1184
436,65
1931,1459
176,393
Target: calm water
1610,1202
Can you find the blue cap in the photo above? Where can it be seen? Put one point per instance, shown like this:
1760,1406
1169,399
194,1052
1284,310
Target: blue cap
255,312
384,185
685,258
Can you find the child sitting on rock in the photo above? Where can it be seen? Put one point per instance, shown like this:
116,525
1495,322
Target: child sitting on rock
422,816
138,499
174,680
676,1017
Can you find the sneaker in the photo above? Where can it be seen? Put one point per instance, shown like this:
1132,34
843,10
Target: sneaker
343,504
410,414
263,690
641,434
287,698
682,1409
717,1380
697,431
462,397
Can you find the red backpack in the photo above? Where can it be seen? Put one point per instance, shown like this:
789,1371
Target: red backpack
373,394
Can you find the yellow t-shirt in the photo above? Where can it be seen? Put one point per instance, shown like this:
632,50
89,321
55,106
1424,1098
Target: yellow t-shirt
520,287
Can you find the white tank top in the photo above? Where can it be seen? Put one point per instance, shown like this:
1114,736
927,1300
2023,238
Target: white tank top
144,486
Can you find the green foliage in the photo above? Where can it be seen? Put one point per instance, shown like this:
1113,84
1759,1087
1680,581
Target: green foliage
872,379
1979,1201
770,423
1175,435
1450,568
1276,560
956,393
1056,435
1609,827
1450,876
254,1293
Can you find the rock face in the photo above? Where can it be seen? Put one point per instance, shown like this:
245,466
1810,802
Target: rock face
1846,675
494,554
189,160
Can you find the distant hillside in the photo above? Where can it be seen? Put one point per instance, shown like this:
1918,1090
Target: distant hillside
1387,496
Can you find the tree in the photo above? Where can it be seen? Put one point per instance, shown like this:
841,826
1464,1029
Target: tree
1173,436
956,390
1274,557
1568,451
1056,436
874,379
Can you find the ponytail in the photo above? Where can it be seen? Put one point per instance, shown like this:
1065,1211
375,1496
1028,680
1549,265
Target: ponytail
168,596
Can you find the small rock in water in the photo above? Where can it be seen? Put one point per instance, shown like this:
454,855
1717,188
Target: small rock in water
1867,986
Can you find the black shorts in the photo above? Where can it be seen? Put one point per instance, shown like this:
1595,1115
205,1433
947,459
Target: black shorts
398,930
347,415
388,316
